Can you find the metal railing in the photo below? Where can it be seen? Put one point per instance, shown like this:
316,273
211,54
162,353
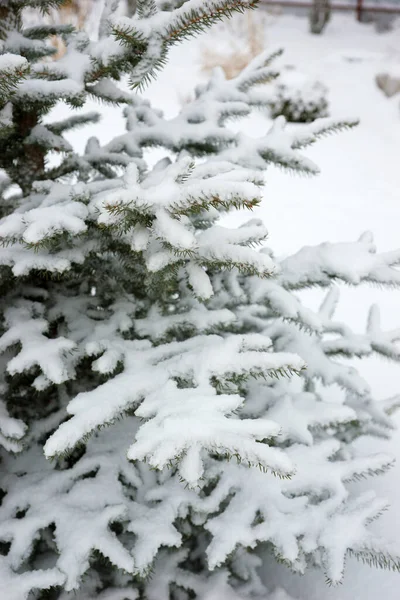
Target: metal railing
359,8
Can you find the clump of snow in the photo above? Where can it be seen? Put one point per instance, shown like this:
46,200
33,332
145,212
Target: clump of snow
12,62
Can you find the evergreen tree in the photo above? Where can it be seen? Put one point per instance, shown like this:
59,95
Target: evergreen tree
163,362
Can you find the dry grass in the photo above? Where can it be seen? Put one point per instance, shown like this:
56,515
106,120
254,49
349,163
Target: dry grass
246,39
74,12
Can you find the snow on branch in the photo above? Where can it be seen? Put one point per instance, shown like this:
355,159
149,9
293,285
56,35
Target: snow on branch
158,383
351,262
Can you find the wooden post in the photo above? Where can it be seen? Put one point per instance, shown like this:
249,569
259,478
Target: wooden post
359,10
131,7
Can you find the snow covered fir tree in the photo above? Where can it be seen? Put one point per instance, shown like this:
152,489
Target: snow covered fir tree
170,409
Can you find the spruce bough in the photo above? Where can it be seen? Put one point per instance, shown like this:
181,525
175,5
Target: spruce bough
165,407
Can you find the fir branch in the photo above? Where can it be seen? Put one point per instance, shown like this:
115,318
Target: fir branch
322,128
43,31
73,122
196,20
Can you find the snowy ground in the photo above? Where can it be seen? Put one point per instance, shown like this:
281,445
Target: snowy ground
358,190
